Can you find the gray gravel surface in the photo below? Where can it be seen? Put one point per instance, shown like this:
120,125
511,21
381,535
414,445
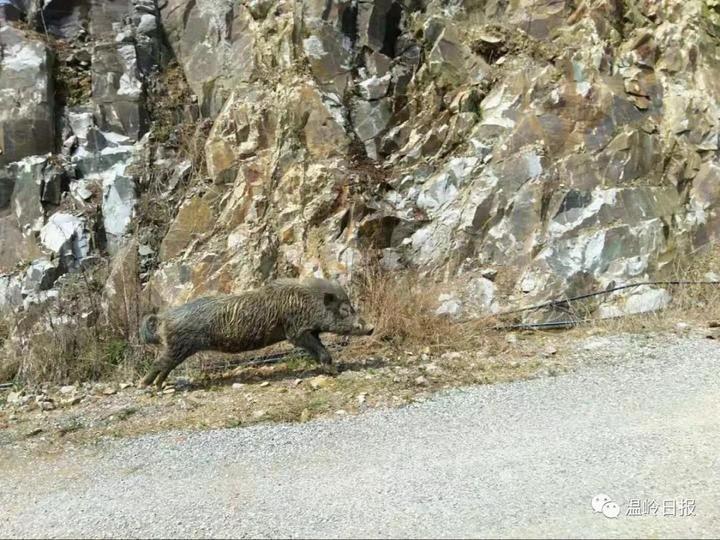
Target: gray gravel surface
522,459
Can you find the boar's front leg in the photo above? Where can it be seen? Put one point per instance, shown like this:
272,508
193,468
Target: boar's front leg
310,341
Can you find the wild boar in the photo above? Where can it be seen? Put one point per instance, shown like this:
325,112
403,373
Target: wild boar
298,311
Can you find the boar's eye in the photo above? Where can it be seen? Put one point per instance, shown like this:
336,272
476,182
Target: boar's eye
328,299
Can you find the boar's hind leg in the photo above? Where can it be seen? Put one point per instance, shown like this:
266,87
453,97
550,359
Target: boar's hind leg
310,341
164,365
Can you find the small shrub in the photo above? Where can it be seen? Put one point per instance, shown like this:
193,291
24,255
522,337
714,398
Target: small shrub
402,308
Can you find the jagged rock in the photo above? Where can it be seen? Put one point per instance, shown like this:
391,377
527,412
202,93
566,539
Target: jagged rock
118,204
450,61
243,128
41,275
379,25
194,220
643,300
117,90
11,287
480,296
15,247
323,123
450,305
148,24
26,102
215,42
370,119
66,236
330,58
28,176
375,87
100,157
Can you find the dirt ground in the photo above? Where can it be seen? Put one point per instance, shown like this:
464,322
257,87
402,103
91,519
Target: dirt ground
47,418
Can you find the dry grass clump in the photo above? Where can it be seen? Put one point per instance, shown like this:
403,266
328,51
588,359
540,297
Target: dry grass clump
68,354
70,340
402,307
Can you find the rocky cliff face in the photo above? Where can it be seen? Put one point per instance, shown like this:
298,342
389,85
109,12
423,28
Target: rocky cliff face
559,145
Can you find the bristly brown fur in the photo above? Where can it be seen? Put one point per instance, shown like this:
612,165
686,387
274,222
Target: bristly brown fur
285,309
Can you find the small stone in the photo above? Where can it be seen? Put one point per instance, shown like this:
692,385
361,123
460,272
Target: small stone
421,381
682,326
432,368
71,401
297,382
15,398
109,391
47,405
489,273
33,432
449,305
168,391
264,384
69,389
550,350
321,381
362,397
511,338
145,251
238,386
125,385
259,414
341,412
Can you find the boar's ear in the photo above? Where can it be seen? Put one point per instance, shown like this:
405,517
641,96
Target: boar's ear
328,299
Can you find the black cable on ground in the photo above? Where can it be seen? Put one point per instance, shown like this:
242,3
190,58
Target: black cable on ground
557,303
556,325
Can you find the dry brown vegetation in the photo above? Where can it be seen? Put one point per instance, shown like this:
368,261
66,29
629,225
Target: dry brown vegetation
71,340
402,306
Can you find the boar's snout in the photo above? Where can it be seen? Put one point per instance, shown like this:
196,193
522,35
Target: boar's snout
365,329
359,327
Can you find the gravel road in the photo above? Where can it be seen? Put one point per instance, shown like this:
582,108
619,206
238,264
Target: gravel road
641,423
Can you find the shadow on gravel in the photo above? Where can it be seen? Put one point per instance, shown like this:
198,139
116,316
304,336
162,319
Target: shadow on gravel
280,372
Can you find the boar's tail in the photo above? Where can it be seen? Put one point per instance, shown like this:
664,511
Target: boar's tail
148,330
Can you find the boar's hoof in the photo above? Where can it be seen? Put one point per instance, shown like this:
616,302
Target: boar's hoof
329,369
